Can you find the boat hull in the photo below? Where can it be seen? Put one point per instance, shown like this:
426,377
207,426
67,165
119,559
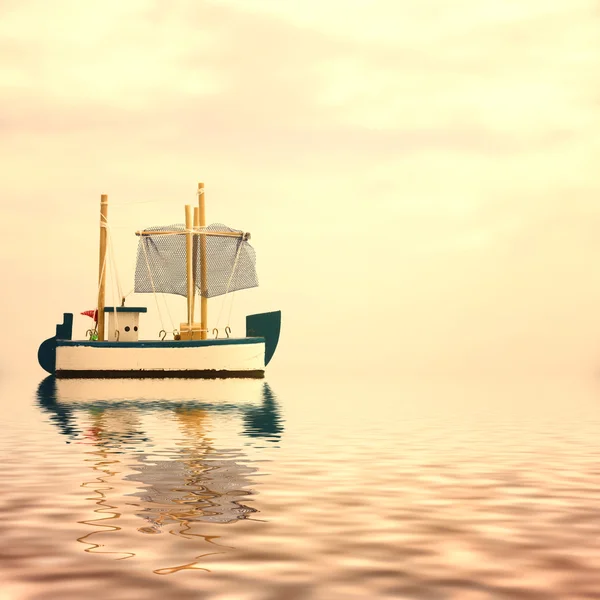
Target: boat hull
218,358
244,357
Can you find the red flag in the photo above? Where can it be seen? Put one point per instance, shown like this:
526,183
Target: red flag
92,314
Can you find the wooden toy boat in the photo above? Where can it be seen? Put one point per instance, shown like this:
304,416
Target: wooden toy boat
188,260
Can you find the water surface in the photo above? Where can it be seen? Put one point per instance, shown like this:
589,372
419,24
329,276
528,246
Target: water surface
287,488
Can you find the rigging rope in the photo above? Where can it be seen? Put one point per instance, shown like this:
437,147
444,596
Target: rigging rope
113,274
168,313
142,202
235,263
153,287
114,262
112,289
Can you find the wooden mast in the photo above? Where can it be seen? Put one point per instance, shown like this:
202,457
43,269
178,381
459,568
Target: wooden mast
102,268
203,283
196,242
189,258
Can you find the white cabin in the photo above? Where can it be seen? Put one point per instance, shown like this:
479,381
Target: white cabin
123,323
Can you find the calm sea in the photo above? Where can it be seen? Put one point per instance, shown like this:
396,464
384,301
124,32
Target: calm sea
300,487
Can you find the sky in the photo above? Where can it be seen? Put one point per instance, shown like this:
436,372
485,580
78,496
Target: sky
420,179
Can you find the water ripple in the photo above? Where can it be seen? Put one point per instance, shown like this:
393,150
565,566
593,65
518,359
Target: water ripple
208,491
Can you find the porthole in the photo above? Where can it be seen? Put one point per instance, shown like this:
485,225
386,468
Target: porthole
127,328
135,328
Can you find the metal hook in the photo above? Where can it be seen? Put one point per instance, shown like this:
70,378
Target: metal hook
217,332
164,334
227,330
117,334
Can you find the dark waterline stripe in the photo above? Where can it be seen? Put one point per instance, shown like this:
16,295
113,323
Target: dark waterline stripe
160,374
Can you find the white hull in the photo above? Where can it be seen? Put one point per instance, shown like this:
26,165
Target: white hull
75,359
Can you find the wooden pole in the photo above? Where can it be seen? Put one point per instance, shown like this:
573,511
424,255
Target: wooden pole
103,266
189,247
196,225
203,282
206,233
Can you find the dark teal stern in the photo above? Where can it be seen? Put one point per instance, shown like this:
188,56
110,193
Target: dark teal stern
268,326
47,349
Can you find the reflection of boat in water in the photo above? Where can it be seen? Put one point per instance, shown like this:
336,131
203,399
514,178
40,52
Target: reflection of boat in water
252,399
161,434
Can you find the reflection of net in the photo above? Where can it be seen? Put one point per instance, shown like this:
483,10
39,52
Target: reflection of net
161,262
192,491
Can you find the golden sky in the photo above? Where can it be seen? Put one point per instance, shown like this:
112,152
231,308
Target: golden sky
420,178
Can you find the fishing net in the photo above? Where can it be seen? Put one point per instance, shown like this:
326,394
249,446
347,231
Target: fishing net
161,262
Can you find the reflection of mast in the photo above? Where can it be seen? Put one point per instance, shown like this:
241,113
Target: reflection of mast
219,481
193,423
200,485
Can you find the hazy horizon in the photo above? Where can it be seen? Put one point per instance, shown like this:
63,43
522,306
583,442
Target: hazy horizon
419,180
